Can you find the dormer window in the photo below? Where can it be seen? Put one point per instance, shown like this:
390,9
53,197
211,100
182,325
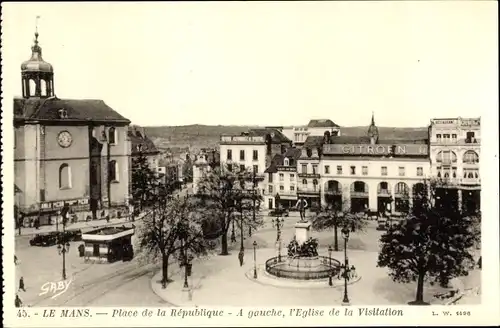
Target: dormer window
62,113
286,162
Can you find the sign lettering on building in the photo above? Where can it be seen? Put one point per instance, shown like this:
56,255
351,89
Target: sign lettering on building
470,122
382,150
286,168
60,204
444,121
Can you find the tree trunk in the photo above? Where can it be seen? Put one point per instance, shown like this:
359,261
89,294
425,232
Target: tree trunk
224,244
419,299
335,238
165,279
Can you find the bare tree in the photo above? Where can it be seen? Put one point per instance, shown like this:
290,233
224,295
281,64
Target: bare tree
172,225
223,193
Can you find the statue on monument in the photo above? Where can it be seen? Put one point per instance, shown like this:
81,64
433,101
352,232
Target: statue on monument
302,205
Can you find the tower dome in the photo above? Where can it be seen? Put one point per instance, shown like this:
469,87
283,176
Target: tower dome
37,75
36,62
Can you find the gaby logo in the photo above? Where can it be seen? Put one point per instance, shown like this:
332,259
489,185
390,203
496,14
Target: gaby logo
56,288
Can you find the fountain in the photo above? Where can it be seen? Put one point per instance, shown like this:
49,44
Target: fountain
302,261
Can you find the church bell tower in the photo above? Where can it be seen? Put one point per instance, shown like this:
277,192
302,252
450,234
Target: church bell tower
37,75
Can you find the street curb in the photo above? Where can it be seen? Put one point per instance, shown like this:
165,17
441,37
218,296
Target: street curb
154,287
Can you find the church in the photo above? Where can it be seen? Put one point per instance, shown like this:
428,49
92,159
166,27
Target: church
66,151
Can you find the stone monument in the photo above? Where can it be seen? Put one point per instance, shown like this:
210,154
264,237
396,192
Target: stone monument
302,231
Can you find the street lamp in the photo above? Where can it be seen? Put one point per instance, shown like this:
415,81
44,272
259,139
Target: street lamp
187,267
345,235
278,223
62,246
390,210
254,259
330,282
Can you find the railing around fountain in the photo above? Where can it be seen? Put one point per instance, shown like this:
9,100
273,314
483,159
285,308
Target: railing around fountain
303,268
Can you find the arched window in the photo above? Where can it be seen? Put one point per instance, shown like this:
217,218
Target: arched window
64,176
304,182
402,188
112,136
359,186
286,162
446,157
383,186
471,157
32,86
43,88
309,152
113,171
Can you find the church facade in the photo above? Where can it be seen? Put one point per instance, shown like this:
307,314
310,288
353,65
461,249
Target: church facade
67,150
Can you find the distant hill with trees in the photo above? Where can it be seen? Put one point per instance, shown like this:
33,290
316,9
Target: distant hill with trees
205,136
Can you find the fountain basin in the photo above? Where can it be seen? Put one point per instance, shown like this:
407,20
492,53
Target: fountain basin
302,268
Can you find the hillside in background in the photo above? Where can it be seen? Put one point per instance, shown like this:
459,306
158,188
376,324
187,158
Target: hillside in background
203,136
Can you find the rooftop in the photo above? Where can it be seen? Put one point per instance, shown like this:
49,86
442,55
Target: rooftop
83,110
278,160
140,141
322,123
108,231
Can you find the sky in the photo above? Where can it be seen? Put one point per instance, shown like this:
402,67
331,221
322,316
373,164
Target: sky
265,63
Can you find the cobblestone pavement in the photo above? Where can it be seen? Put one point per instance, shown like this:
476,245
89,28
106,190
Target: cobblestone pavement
218,280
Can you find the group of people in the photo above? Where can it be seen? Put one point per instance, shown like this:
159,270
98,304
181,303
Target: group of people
351,273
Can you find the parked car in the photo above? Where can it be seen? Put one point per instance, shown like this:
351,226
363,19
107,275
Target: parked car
44,240
382,223
277,212
73,235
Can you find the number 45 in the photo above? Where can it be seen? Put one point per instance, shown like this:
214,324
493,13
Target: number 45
22,313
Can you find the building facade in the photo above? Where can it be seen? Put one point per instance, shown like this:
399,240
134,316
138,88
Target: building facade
455,148
299,134
66,150
204,162
281,179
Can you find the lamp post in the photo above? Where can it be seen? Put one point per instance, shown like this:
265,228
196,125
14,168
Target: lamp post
242,248
187,266
254,259
254,185
390,210
345,235
278,223
62,244
330,282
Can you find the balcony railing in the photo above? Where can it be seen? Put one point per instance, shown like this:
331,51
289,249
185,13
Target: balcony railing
472,141
359,194
454,182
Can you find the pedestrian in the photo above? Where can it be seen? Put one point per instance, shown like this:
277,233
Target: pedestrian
21,285
37,223
353,272
18,301
240,257
15,260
